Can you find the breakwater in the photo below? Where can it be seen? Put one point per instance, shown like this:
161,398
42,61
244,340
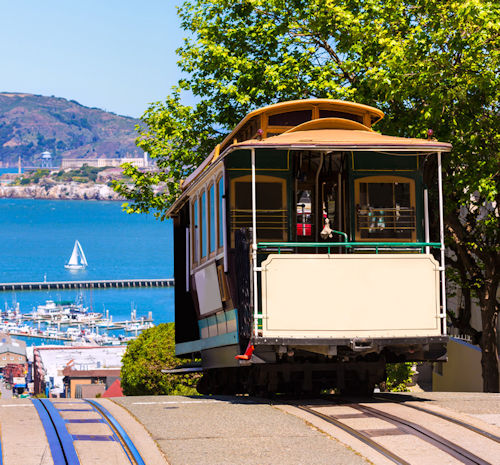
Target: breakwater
100,284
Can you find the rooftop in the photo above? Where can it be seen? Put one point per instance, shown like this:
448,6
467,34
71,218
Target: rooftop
13,346
55,359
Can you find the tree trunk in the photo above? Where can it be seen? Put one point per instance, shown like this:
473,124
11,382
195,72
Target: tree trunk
489,357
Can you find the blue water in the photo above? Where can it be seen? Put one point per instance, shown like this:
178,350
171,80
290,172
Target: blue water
8,170
37,238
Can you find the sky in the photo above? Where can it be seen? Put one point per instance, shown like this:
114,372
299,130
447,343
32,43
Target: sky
118,55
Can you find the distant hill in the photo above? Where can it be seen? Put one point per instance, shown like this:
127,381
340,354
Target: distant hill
31,124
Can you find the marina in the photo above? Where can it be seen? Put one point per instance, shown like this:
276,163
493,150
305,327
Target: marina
73,323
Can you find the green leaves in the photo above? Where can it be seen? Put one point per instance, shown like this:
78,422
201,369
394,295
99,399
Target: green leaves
144,360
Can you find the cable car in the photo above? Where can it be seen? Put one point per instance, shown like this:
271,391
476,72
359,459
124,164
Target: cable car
305,252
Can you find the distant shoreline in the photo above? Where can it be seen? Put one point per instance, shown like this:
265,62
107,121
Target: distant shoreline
61,191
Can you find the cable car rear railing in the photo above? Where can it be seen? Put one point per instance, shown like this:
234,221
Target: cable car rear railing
267,220
349,245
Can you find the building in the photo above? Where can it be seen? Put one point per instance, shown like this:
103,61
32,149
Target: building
88,383
139,162
114,390
12,351
46,160
58,370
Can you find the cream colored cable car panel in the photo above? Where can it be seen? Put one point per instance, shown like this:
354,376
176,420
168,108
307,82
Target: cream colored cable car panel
355,295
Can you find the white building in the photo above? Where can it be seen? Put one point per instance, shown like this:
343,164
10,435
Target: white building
139,162
50,362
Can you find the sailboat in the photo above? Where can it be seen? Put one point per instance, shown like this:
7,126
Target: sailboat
77,260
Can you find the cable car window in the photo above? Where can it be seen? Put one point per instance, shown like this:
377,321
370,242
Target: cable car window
195,232
211,216
385,208
203,225
340,114
272,218
220,194
268,195
291,118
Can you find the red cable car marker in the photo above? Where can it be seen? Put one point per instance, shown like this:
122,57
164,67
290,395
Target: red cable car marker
248,353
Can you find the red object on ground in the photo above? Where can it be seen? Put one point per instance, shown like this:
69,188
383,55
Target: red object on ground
115,390
248,353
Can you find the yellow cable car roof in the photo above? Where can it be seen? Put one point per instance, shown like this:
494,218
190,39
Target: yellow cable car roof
335,138
338,105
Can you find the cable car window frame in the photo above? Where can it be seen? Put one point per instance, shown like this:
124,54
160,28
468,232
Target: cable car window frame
211,220
195,219
387,179
220,213
260,178
203,227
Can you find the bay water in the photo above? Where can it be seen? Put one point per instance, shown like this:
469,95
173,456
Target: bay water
37,238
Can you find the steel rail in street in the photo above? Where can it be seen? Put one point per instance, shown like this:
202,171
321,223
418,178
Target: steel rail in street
124,439
427,435
357,434
60,441
409,427
468,426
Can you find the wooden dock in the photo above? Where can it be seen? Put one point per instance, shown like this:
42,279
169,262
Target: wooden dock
96,284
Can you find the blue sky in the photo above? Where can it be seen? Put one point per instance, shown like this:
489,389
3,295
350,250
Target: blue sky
118,55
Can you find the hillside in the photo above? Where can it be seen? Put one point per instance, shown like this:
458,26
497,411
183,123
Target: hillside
31,124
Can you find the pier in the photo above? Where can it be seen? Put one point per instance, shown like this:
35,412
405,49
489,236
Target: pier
95,284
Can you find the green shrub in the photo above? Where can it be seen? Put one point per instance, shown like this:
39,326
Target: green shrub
399,375
144,360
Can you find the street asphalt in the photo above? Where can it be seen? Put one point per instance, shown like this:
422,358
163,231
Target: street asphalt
234,431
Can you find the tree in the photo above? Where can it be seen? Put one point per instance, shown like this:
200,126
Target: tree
144,360
426,63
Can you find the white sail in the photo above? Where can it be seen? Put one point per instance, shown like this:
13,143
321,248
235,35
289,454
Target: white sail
74,256
83,259
77,260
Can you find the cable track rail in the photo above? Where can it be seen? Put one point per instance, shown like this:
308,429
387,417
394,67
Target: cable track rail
358,435
127,444
61,442
406,426
473,428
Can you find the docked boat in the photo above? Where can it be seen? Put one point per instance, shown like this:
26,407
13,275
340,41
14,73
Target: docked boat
77,261
138,326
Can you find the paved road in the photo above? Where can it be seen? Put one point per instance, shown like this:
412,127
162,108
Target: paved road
6,393
234,431
216,430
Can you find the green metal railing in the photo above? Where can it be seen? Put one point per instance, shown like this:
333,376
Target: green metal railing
350,245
